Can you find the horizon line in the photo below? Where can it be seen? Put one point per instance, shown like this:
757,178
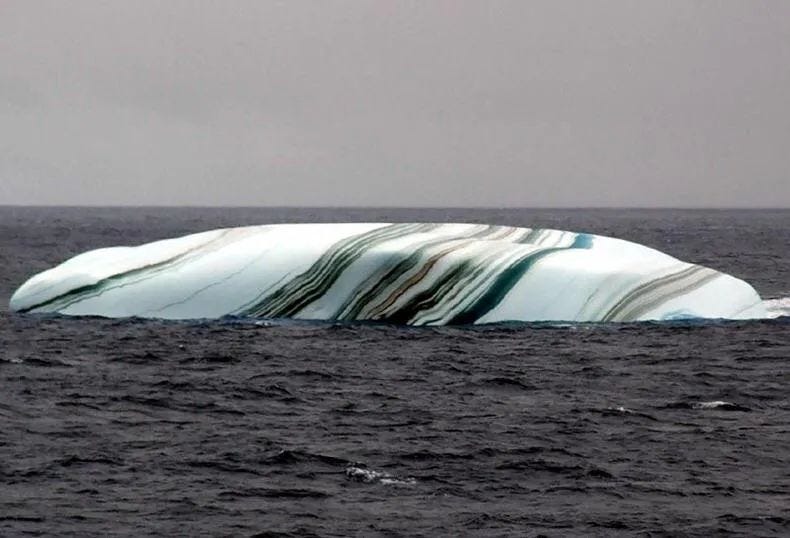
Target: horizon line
394,207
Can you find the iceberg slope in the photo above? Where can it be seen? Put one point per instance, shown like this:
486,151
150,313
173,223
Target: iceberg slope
410,273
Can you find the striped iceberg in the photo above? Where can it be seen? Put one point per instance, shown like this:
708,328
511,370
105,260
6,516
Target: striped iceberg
410,273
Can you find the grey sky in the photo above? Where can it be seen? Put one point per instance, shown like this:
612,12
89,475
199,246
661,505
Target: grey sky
442,103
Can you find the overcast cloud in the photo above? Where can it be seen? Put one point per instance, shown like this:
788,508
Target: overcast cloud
437,103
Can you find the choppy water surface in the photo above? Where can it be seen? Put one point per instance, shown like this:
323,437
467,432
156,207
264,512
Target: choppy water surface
130,427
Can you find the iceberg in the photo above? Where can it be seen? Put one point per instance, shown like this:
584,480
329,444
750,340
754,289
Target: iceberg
403,273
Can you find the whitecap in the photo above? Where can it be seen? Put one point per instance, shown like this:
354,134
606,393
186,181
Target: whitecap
621,409
777,307
718,404
369,476
711,405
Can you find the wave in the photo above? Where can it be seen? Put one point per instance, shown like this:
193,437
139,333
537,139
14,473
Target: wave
369,476
718,404
777,308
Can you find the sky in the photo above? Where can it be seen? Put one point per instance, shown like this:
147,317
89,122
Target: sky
529,103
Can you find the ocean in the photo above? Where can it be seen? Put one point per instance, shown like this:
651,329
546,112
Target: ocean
273,429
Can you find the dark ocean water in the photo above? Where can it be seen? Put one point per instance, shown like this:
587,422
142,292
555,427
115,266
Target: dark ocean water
130,427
